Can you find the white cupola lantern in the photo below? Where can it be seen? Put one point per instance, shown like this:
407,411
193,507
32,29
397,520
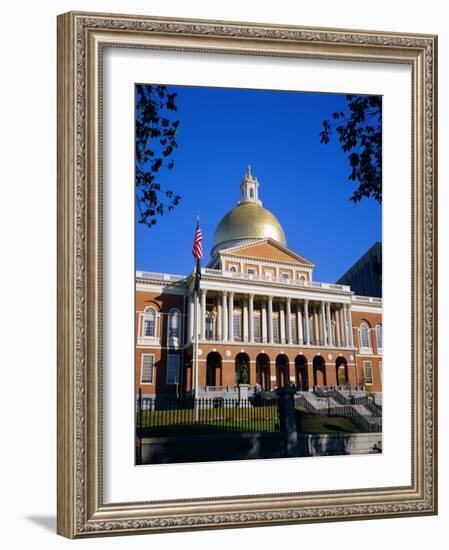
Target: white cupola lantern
249,189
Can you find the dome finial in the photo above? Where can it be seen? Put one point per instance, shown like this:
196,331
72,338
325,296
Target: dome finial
248,174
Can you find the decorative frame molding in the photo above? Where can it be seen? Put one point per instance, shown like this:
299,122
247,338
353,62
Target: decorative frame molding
81,37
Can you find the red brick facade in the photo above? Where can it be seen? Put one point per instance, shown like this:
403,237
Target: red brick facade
306,366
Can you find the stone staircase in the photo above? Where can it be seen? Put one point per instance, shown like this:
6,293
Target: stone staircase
330,401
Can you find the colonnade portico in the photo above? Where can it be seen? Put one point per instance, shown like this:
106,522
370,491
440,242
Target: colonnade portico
229,316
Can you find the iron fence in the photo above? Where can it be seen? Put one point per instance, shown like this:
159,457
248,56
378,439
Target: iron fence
187,416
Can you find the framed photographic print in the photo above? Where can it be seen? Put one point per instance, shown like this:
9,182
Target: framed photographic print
247,274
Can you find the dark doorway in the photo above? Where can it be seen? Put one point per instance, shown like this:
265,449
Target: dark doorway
319,371
301,374
342,375
213,369
282,371
242,369
263,371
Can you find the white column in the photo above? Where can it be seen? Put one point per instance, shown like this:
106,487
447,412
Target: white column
323,325
245,320
224,307
289,320
342,327
219,321
316,327
264,322
270,319
231,317
337,327
351,334
282,321
299,321
306,321
345,323
191,316
203,314
251,318
329,324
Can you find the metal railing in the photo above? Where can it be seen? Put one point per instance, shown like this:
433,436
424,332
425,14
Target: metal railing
159,276
368,299
365,423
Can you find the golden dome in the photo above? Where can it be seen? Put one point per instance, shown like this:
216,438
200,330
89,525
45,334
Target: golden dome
248,220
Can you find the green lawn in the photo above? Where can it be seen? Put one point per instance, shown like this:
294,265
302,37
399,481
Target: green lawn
311,424
219,420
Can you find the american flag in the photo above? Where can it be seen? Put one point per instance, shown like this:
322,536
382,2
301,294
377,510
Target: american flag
197,249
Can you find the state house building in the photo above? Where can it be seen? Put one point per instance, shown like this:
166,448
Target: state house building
260,308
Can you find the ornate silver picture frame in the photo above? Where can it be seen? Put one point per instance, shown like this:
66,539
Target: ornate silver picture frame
82,40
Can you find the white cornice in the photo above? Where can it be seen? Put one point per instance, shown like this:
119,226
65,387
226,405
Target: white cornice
145,285
275,290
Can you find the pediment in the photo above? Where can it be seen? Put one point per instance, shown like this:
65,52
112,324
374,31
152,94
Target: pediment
268,249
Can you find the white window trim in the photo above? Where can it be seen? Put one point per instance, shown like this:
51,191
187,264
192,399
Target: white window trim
144,316
141,369
259,321
236,314
174,342
365,350
276,327
379,348
210,320
294,328
288,278
370,365
179,365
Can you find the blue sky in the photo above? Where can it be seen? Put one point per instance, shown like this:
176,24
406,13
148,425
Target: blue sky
303,182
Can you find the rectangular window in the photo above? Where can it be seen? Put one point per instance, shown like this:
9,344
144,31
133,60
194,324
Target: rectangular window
251,271
236,325
293,328
256,328
173,326
149,329
209,329
275,328
364,338
379,337
269,274
368,371
172,369
147,374
285,276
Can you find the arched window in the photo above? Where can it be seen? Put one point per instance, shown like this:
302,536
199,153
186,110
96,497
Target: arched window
302,280
251,193
379,337
149,326
364,336
233,269
174,327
